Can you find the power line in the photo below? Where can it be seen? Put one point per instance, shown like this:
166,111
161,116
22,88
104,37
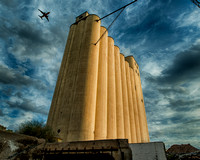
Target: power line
196,2
117,10
122,9
109,26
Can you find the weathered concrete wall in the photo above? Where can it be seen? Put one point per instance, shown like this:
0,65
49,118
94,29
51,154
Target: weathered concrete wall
98,94
117,149
18,146
148,151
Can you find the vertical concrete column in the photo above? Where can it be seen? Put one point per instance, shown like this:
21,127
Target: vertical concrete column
119,101
65,101
130,102
101,104
54,108
82,118
147,139
111,111
63,82
141,109
125,99
135,107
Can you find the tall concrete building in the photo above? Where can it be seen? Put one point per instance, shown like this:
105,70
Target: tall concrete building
98,94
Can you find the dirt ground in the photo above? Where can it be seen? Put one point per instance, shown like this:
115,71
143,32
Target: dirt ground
12,145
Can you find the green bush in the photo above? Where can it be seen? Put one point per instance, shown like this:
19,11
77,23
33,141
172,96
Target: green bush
37,129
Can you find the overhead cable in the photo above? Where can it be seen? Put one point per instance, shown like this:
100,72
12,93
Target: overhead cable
122,9
109,26
117,10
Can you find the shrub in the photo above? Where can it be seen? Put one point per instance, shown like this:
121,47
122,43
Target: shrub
37,129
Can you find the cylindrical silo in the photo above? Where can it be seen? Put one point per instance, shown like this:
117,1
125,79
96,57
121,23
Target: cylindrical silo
82,118
64,102
68,88
125,99
119,101
54,108
130,102
111,105
101,104
135,107
141,109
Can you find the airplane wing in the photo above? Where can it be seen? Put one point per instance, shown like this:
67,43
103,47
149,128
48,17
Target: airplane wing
41,11
47,13
47,18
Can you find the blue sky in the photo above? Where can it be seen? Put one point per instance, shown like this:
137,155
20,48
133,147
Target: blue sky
163,36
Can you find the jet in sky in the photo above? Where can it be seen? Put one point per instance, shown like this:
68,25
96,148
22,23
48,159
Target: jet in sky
44,15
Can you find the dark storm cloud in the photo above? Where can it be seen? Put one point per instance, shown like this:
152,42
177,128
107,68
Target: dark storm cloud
184,105
176,90
11,77
27,105
151,31
6,3
1,113
192,121
31,33
26,34
184,68
178,133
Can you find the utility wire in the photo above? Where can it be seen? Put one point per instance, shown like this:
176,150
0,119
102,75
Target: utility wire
122,9
109,26
117,10
196,2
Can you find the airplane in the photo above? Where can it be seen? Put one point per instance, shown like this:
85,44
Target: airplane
44,15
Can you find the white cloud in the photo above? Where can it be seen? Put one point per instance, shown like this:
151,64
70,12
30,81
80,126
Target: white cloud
188,19
152,68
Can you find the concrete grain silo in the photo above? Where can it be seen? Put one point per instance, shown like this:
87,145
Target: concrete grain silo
119,100
140,102
111,111
125,99
102,83
98,93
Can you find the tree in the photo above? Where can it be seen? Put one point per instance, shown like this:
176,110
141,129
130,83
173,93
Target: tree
37,129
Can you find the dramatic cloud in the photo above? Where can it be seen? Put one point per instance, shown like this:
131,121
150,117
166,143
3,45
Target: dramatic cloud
1,113
172,93
26,105
163,36
12,77
186,66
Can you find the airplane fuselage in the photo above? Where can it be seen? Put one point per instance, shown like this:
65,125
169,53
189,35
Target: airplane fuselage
44,14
